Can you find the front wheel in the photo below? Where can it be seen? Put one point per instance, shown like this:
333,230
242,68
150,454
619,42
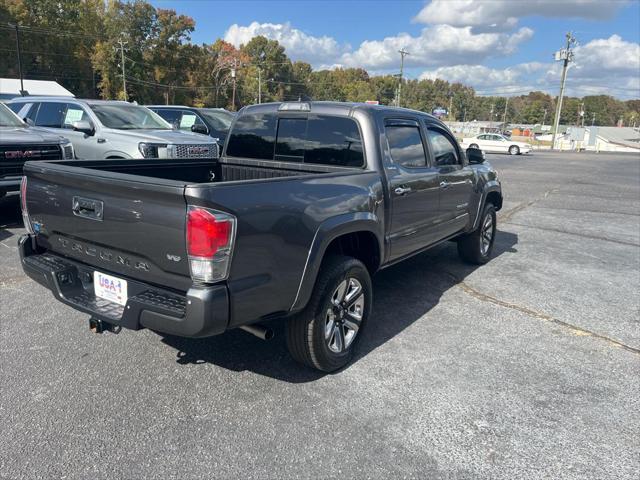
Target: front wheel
476,247
514,150
474,145
324,335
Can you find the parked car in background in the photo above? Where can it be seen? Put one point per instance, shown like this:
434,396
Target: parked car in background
306,203
214,122
19,142
495,143
102,129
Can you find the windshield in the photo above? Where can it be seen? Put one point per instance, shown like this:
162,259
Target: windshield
8,118
129,117
219,119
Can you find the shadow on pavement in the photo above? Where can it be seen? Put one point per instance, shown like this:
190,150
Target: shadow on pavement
403,293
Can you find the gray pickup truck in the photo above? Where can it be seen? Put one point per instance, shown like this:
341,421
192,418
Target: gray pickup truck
306,203
19,142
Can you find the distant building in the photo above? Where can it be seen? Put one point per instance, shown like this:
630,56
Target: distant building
601,139
613,139
468,129
10,88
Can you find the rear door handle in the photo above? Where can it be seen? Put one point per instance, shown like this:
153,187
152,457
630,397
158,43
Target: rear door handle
402,190
444,185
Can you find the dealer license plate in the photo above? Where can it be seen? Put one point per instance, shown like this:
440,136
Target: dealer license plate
110,288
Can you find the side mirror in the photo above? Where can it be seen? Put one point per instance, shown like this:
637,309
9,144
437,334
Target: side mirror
29,122
84,127
199,128
475,156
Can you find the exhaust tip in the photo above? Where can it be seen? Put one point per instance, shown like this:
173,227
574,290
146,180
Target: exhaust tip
259,331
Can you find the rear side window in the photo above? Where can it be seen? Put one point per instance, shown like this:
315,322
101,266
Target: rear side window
171,116
253,136
320,140
334,141
15,107
50,115
405,145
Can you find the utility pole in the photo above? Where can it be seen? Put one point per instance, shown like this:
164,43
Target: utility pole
450,105
544,117
233,77
22,92
402,53
593,118
491,117
504,116
259,85
124,78
580,121
566,55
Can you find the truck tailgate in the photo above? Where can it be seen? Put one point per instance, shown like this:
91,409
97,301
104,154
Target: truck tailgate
117,223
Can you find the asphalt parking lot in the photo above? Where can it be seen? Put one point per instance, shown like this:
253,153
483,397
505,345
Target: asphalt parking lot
528,367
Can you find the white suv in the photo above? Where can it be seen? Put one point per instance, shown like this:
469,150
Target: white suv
102,129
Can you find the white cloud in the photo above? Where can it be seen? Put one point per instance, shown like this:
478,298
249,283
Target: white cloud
504,14
298,45
609,66
437,45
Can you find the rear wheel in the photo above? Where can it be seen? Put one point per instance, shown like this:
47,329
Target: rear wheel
514,150
325,334
476,247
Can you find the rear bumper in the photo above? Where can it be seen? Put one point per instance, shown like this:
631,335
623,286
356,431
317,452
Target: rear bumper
201,312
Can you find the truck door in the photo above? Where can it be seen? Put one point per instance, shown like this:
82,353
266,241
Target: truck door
455,180
413,188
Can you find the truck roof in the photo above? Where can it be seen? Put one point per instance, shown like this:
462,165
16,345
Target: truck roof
344,108
34,98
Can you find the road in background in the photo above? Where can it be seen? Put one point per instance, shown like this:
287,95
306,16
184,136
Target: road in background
528,367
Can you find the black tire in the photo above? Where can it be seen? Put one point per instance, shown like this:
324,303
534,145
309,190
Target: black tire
514,150
307,331
471,247
474,145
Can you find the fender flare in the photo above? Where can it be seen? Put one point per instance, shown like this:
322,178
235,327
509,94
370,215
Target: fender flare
328,231
490,186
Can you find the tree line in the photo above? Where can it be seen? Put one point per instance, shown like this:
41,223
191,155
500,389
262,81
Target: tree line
78,43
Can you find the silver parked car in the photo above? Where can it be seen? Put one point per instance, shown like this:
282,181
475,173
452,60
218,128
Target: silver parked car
112,129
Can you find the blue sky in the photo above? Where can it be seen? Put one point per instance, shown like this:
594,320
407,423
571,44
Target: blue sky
497,46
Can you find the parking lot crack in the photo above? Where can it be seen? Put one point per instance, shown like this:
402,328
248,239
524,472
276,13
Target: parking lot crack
469,290
506,216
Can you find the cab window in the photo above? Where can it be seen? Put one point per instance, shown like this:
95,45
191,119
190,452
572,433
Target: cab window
188,120
50,114
405,145
74,113
444,151
170,115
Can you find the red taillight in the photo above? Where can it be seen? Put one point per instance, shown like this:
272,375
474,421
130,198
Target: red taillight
206,234
23,206
210,237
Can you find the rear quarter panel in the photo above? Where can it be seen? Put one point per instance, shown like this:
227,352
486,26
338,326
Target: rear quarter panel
277,223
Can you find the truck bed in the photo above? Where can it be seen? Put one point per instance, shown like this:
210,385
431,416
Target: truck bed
200,171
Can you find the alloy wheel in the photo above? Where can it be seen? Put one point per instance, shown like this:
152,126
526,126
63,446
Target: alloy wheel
344,315
486,234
